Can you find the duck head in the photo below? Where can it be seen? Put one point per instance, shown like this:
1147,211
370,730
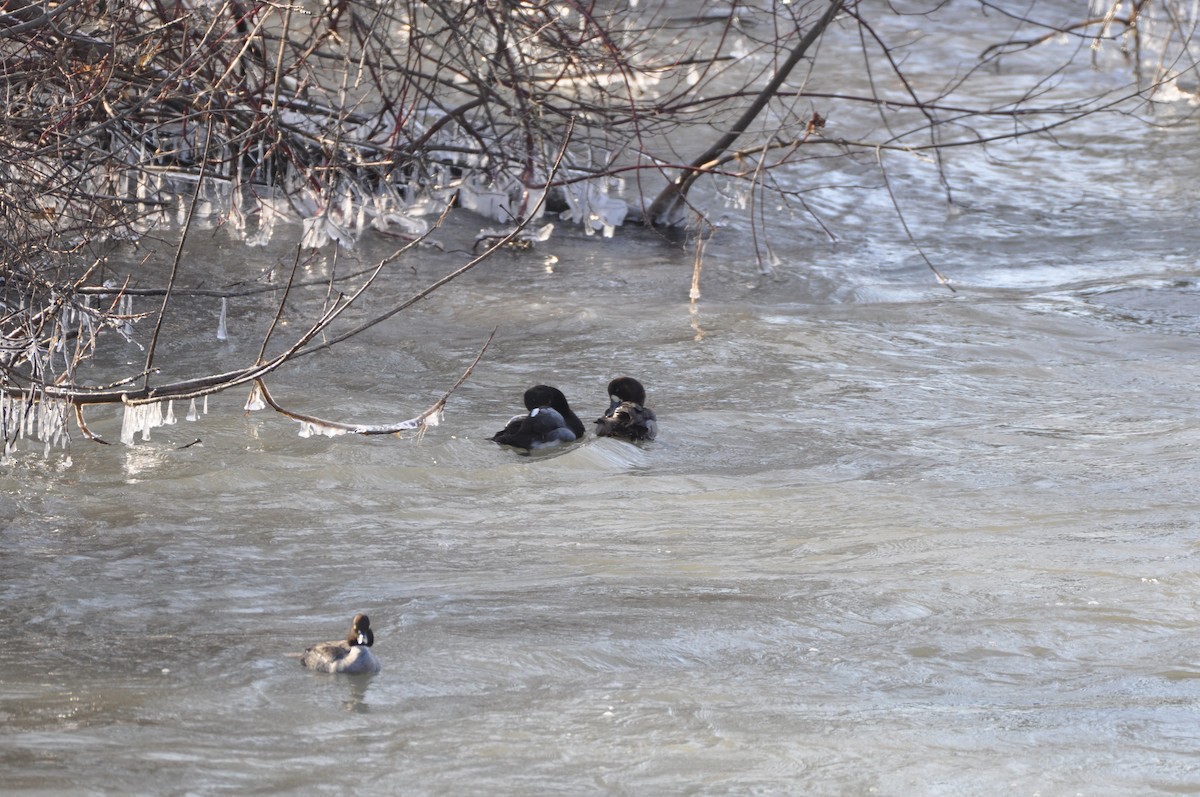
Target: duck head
627,416
360,631
546,396
626,389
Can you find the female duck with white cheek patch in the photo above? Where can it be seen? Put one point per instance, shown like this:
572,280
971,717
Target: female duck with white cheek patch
351,655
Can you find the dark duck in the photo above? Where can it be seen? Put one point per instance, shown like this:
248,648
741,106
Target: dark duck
627,416
549,421
351,655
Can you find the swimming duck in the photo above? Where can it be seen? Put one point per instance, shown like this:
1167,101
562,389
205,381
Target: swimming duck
549,421
351,655
627,416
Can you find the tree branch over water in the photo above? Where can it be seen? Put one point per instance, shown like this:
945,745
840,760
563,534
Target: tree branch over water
123,120
670,202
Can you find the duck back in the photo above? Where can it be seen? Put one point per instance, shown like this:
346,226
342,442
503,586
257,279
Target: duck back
550,421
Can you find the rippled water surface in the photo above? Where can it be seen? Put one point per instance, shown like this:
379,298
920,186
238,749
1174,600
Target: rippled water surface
892,539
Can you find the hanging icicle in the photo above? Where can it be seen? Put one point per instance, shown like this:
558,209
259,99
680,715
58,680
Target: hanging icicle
130,423
34,417
153,419
222,330
125,309
254,401
140,418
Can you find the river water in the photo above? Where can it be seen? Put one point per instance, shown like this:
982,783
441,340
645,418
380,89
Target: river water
891,540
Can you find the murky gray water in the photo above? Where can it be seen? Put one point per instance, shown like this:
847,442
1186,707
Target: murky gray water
892,540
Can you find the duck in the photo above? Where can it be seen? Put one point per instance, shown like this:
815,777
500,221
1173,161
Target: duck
549,421
351,655
627,416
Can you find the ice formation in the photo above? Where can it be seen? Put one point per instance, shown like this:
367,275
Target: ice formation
487,201
142,418
590,206
254,402
125,308
310,428
506,202
43,419
321,229
192,414
528,236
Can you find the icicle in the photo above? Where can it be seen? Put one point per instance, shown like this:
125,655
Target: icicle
27,425
129,422
360,220
34,356
222,331
192,416
590,205
314,236
64,330
153,418
237,219
310,428
142,191
266,224
140,418
254,401
125,308
170,419
49,422
62,435
205,410
12,411
87,321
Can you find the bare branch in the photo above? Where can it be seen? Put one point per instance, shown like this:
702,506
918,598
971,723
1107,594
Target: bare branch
666,206
419,423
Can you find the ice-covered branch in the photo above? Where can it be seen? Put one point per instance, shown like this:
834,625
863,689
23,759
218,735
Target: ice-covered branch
311,425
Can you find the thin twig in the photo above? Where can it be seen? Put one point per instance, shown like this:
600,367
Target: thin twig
911,238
